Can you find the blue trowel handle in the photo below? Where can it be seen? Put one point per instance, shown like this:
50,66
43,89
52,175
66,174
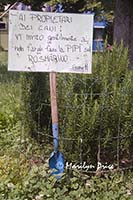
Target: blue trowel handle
55,131
54,110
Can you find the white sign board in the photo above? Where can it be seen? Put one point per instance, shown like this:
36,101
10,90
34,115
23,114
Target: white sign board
50,42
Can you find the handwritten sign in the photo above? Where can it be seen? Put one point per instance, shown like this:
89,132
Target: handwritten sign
47,42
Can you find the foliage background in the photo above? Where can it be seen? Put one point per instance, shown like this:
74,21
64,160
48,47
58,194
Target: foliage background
73,5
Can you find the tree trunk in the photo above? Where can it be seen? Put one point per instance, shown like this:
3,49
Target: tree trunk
123,25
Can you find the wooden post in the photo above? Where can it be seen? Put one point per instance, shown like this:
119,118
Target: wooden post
54,110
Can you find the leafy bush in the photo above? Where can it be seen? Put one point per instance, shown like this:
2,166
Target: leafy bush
36,106
97,106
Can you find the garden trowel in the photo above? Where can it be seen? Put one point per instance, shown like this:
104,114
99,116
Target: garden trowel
56,160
